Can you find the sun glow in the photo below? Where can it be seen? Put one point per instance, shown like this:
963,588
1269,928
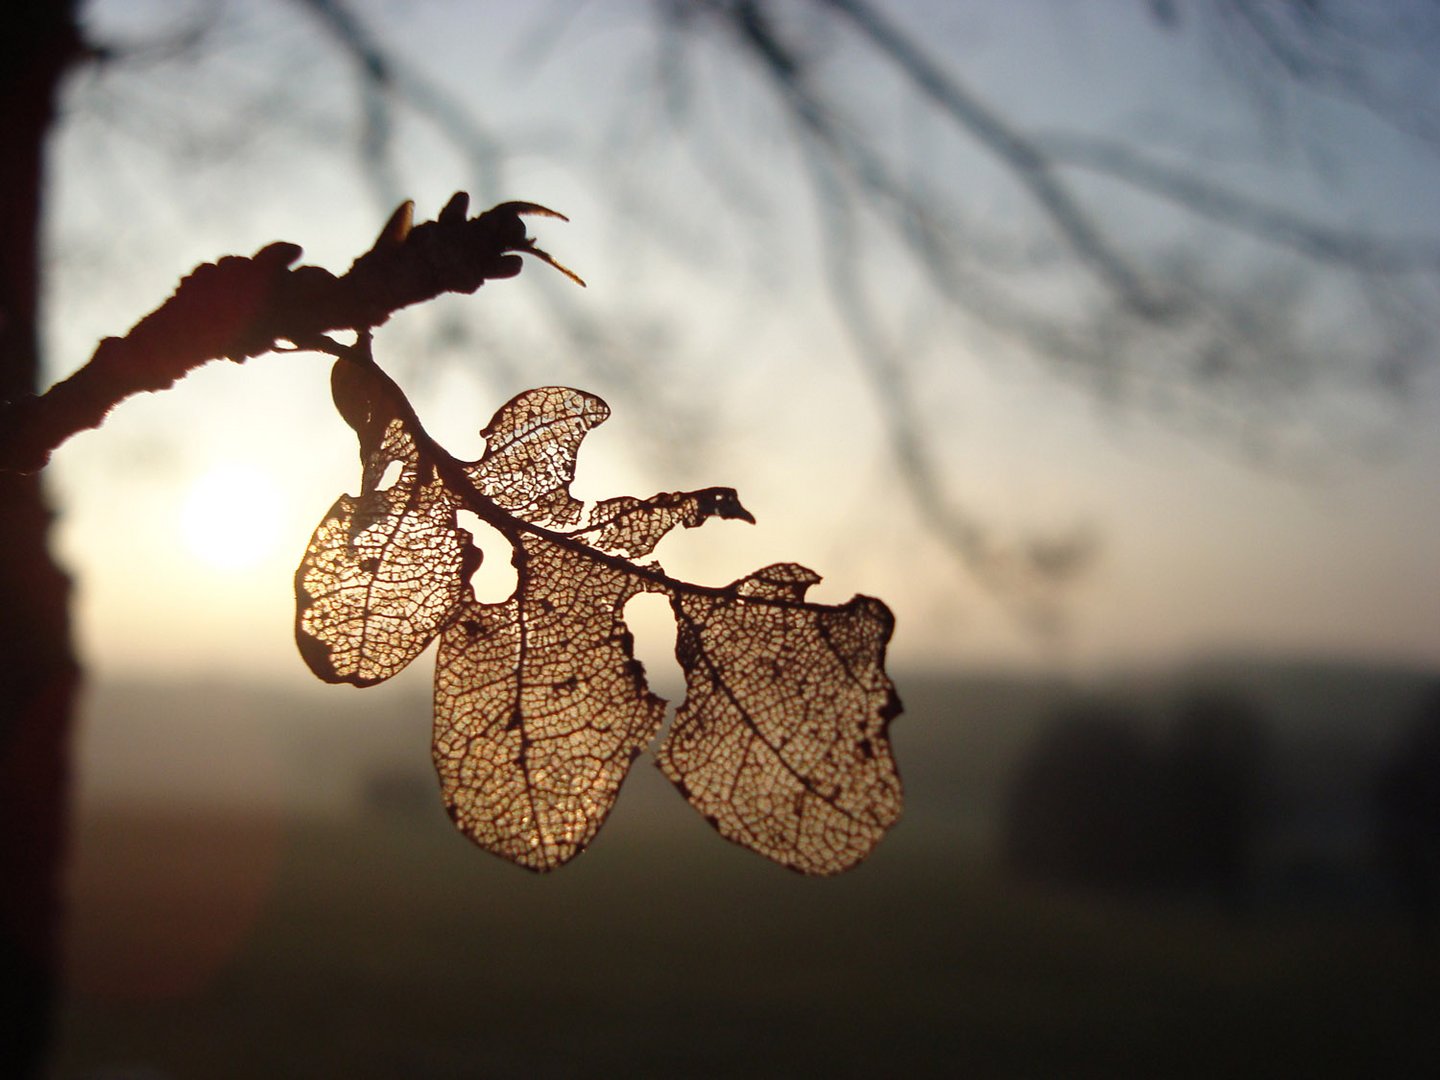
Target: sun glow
231,516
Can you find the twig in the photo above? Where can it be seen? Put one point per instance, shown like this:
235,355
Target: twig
241,307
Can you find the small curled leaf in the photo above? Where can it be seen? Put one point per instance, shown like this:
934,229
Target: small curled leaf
384,570
381,576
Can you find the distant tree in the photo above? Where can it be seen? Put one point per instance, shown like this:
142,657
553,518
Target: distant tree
1407,798
1096,802
1082,805
1214,780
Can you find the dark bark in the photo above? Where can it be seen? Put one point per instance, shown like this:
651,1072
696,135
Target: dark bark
38,672
241,307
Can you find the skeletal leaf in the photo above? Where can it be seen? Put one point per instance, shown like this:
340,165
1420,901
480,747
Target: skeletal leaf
781,740
540,705
384,571
530,449
632,527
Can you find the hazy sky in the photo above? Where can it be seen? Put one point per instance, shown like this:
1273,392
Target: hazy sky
184,517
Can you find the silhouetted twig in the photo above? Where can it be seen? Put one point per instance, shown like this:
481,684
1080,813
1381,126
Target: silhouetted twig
241,307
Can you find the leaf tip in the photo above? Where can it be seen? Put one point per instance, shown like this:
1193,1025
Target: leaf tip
281,253
550,260
455,209
397,228
531,209
725,503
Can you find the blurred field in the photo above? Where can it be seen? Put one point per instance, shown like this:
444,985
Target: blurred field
375,942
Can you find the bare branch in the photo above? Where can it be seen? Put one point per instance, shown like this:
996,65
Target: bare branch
1312,46
385,76
1348,248
1022,574
241,307
1205,340
1031,168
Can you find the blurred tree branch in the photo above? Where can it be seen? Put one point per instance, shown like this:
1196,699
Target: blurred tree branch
385,78
1234,349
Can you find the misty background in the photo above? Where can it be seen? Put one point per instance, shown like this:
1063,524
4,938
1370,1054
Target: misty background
1097,342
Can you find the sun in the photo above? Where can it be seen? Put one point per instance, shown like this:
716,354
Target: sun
230,519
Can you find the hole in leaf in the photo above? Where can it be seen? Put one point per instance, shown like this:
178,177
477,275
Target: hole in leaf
494,581
652,625
390,476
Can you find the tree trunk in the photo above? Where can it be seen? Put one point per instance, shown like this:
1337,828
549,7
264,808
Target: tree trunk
38,672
